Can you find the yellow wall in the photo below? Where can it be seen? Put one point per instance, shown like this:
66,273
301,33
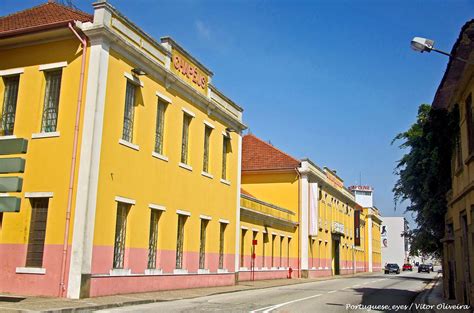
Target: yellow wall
140,176
48,160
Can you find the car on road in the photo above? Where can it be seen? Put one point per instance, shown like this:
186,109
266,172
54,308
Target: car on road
424,268
407,267
431,267
392,268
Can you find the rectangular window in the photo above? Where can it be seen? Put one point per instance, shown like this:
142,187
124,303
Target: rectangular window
185,138
160,126
288,253
153,238
51,101
37,234
207,136
264,245
180,241
469,122
202,246
128,116
273,250
10,98
281,251
242,248
120,234
221,245
225,151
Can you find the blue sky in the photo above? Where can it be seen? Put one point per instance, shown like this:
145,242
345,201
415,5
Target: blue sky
334,81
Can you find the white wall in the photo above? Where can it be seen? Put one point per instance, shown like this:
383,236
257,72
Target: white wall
395,250
364,198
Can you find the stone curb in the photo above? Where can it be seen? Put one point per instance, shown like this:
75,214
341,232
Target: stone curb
422,297
89,308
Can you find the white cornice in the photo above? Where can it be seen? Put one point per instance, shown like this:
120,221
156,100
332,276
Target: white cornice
159,72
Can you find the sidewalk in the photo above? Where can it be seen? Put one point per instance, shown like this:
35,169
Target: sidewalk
431,299
11,303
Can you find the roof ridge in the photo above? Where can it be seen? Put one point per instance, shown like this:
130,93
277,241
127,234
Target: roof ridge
46,4
266,143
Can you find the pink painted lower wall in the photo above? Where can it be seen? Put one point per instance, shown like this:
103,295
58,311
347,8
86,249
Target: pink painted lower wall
315,273
268,262
111,285
266,274
48,284
136,259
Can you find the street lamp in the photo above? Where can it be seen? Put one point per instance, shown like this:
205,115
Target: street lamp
420,44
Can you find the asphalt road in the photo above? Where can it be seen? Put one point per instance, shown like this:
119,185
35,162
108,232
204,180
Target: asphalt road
345,294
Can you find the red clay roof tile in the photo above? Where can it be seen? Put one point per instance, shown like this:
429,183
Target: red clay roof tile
259,155
39,17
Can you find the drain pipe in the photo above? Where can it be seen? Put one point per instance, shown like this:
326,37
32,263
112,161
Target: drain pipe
83,40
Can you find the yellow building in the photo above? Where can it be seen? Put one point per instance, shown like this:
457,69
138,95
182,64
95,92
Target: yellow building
456,88
132,156
315,198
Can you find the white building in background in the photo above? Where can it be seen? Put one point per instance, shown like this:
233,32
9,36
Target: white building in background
394,243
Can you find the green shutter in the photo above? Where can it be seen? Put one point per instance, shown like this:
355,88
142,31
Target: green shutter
12,165
10,184
10,204
13,146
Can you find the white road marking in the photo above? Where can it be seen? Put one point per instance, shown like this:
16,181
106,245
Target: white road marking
332,291
276,306
356,285
346,288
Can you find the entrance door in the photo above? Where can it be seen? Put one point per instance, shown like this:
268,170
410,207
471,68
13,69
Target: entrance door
336,257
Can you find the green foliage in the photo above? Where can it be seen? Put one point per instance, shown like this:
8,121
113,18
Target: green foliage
425,174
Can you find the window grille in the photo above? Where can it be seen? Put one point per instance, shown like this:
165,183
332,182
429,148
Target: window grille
281,251
225,150
153,238
180,242
264,245
185,138
160,126
129,113
221,245
242,248
51,101
207,135
39,215
9,105
273,250
202,246
120,234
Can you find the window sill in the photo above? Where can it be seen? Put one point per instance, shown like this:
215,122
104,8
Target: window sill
186,167
159,156
243,268
31,270
45,135
129,144
180,271
7,137
120,272
226,182
203,271
222,270
153,271
206,174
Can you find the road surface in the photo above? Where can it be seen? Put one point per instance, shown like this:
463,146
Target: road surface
378,292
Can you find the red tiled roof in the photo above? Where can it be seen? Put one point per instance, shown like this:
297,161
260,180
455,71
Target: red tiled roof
259,155
45,16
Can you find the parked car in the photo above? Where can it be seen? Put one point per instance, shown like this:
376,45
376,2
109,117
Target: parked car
407,267
431,266
392,268
417,263
424,268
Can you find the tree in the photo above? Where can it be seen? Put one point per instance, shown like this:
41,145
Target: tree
425,174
